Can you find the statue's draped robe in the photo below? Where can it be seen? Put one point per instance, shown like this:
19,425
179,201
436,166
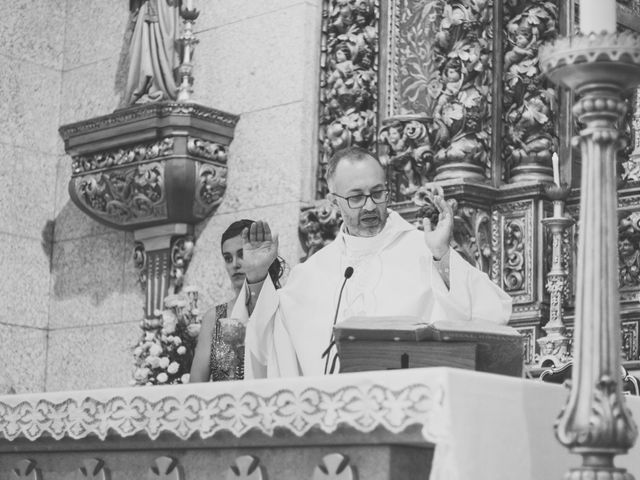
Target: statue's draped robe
394,275
153,55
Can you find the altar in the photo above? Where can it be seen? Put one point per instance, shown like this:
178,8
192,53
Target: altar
436,423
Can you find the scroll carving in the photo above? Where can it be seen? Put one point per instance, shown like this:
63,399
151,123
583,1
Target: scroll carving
334,466
530,102
348,78
120,195
181,252
165,468
529,344
318,226
138,153
472,235
210,187
629,156
514,267
246,467
93,469
140,262
207,150
26,469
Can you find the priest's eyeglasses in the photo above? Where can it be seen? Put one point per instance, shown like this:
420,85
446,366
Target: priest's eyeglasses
358,201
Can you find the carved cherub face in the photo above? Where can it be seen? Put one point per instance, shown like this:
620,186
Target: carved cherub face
625,247
522,40
452,74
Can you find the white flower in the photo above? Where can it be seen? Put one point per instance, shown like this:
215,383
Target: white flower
162,377
182,350
169,322
138,351
177,341
193,329
141,373
155,350
173,367
195,311
164,362
149,336
132,382
190,289
153,361
157,312
185,378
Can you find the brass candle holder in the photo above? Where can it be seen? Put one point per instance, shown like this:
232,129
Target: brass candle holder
555,345
595,422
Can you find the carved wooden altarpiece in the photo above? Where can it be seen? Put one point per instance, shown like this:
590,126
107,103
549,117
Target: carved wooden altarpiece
452,92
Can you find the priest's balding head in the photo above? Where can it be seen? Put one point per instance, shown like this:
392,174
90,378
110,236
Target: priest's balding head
357,186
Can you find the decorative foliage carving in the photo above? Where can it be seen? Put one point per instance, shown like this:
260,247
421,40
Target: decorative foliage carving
319,224
26,469
124,194
530,102
165,468
296,408
246,467
514,264
140,262
407,154
210,187
334,466
207,150
629,157
630,331
348,78
93,469
472,235
137,153
629,251
181,252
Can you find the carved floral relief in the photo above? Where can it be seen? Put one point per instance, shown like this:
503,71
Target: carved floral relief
348,79
529,100
120,195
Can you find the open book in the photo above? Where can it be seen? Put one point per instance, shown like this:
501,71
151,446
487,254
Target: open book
415,329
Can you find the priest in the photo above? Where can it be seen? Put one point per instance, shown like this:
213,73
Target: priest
378,265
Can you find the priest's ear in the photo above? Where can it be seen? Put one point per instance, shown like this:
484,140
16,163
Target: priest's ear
332,199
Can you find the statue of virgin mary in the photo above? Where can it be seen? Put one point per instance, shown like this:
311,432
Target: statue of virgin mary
153,53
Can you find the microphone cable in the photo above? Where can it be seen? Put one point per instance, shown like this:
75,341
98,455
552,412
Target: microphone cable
348,272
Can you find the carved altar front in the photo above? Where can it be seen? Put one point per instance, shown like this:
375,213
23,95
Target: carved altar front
438,423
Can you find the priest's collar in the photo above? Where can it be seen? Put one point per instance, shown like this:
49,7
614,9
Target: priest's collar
394,226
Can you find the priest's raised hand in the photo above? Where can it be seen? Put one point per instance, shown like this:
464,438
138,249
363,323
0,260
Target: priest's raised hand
438,238
260,249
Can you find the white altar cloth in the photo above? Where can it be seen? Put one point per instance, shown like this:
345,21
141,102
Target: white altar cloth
483,426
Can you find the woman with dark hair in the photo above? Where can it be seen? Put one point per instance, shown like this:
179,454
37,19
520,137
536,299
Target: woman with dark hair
219,353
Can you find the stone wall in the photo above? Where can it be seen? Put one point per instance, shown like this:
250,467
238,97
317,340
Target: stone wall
72,302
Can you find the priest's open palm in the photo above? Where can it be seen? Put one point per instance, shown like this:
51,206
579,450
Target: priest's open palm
438,238
259,249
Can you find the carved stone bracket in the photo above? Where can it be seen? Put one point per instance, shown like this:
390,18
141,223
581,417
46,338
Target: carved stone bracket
93,469
334,466
162,254
246,467
26,469
165,468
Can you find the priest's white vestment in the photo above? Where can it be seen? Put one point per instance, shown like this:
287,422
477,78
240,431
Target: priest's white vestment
393,275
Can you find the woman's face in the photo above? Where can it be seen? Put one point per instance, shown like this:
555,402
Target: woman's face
232,254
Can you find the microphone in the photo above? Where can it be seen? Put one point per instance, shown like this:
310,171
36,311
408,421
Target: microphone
347,275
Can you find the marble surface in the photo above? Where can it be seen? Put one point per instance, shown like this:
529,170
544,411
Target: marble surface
33,31
256,63
215,13
25,283
95,30
29,106
91,356
23,356
87,281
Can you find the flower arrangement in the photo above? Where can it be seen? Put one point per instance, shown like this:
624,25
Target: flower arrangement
164,353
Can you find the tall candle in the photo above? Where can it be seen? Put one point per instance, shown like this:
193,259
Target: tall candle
556,169
188,5
597,16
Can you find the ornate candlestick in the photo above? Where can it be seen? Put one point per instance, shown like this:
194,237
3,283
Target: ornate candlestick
595,422
187,41
554,347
